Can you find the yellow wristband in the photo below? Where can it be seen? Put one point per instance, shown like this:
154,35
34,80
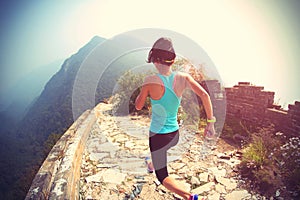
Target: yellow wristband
212,120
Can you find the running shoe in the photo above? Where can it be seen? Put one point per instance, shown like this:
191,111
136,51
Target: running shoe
194,197
149,164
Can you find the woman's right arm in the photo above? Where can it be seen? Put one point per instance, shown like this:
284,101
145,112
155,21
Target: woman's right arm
142,97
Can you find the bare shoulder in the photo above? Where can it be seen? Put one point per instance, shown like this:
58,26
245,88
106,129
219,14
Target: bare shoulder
183,76
151,79
179,73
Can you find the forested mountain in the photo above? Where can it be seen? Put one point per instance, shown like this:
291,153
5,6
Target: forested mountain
19,96
51,112
94,69
23,148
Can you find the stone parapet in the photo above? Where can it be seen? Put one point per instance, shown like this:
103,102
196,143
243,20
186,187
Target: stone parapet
58,177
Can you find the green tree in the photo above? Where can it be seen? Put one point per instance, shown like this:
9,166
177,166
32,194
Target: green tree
50,142
128,88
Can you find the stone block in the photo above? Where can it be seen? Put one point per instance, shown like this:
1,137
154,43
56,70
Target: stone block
203,188
238,195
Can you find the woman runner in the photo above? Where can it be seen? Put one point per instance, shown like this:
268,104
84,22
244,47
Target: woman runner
165,91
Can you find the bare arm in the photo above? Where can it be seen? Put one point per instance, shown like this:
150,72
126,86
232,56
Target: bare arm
199,90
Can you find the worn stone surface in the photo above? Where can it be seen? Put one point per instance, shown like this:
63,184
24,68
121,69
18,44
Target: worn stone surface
113,163
238,195
204,188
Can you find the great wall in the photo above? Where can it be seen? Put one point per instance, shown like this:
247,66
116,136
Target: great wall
256,106
86,163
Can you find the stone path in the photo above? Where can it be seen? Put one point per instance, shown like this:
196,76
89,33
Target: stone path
113,165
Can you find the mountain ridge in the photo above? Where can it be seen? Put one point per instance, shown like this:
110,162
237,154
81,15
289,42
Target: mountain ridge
50,113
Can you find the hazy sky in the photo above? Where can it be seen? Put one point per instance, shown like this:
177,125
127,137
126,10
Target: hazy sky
256,41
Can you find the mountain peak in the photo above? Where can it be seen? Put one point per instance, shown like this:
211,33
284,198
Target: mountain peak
97,39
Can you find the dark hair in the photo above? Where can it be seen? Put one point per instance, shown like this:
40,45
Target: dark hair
162,52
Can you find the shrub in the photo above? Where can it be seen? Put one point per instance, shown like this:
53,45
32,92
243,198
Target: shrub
50,142
192,108
289,162
256,152
271,162
191,105
235,132
263,147
259,161
129,86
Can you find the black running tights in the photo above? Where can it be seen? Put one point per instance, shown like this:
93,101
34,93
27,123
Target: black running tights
159,145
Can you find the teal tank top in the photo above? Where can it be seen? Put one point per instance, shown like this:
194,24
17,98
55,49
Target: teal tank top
164,110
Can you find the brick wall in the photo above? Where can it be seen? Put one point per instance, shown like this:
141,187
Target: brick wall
253,105
248,102
256,106
294,118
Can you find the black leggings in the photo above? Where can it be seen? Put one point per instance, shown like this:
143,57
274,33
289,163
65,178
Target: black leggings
159,145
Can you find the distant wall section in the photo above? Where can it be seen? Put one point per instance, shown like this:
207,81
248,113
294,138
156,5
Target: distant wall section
254,105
